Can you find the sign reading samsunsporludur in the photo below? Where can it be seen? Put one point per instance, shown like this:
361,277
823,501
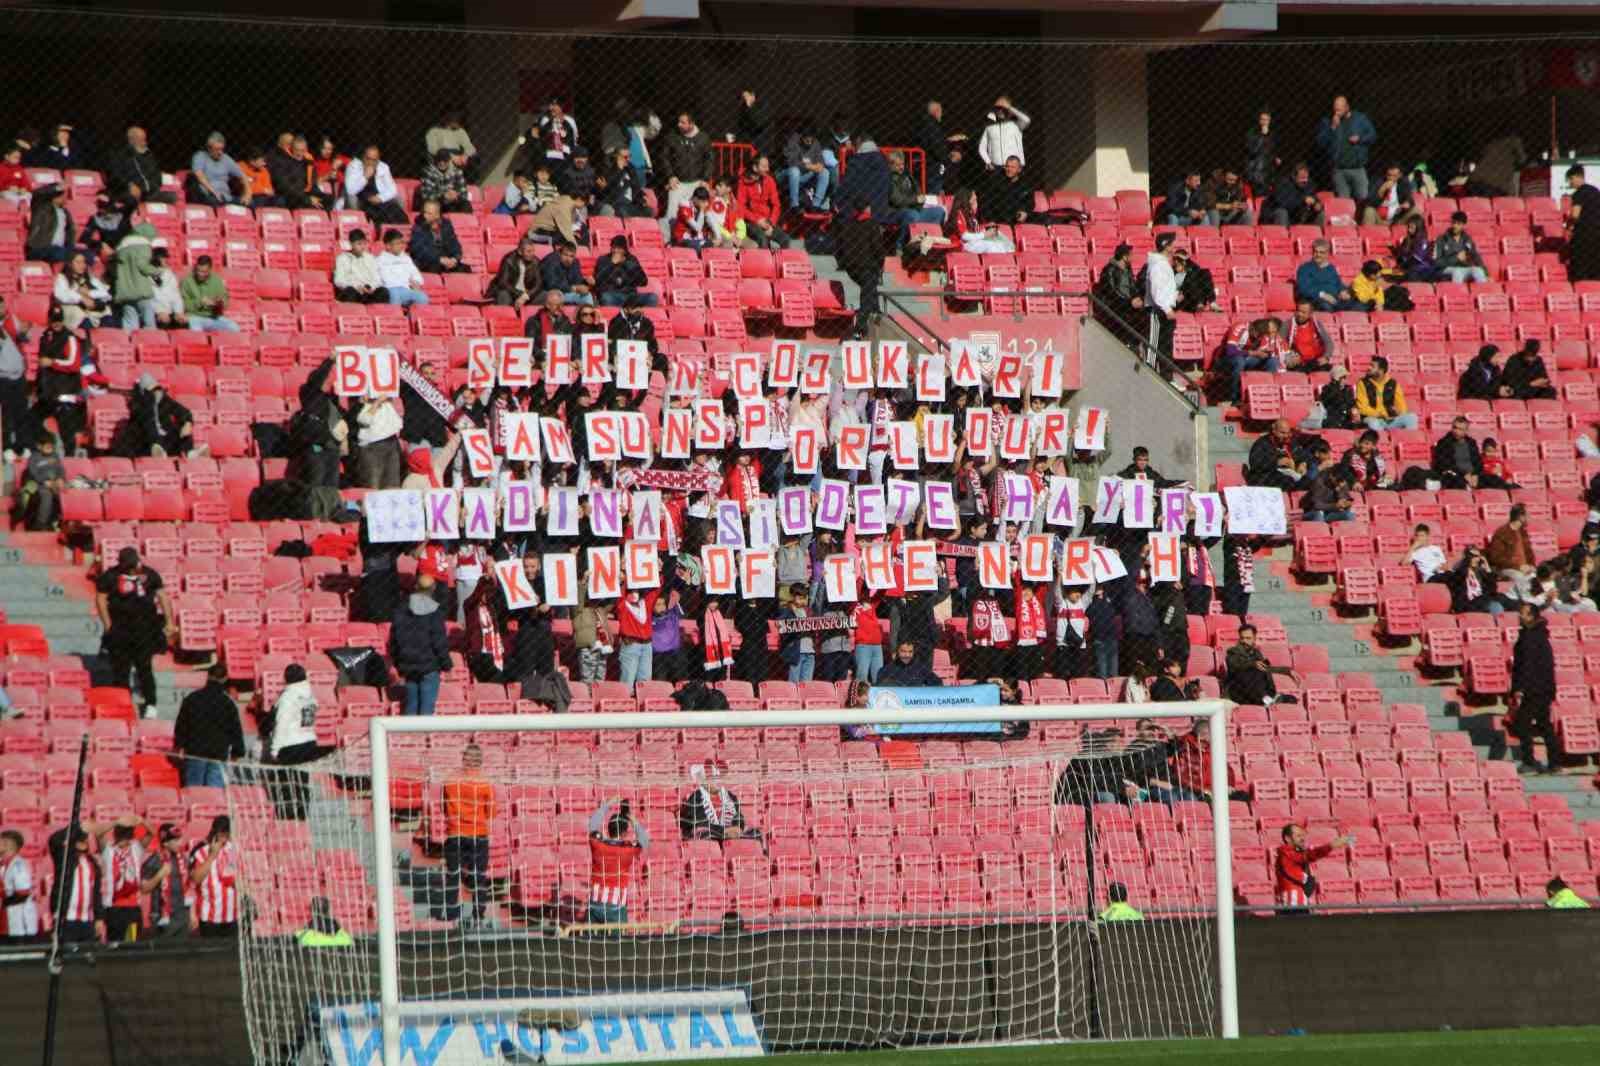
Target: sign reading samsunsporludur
551,1029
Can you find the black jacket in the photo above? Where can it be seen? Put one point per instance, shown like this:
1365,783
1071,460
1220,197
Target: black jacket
553,274
625,327
208,725
420,422
427,249
1006,200
622,188
858,248
1456,580
626,277
695,821
1338,400
152,417
288,176
514,277
865,185
126,167
1533,663
935,147
1479,381
1519,373
1165,690
42,226
754,126
1181,199
1198,290
1261,468
1260,151
1289,196
1444,456
1105,624
1323,495
913,675
687,158
417,642
535,328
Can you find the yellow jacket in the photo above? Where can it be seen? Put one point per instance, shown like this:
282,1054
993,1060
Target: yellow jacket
1367,290
1567,900
1382,399
1121,912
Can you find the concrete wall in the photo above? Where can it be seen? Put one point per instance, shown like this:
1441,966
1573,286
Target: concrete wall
1143,408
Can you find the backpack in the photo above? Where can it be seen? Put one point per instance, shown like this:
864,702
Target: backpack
1398,298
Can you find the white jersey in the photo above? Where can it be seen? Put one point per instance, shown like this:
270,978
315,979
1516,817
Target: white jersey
16,877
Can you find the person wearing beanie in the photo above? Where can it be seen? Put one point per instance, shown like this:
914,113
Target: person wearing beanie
157,424
293,742
207,732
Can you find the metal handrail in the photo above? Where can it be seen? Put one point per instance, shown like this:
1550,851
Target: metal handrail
1166,369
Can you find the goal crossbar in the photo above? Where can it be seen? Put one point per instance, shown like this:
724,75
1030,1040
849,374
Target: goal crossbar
1215,712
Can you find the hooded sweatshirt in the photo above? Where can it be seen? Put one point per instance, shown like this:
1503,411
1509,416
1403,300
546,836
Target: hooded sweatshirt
136,276
294,717
417,643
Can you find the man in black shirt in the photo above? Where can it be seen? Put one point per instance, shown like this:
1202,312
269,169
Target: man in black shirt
207,731
1533,689
132,603
1010,198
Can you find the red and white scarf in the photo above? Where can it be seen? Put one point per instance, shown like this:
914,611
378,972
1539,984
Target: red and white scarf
1071,616
1474,585
119,876
882,412
485,635
988,626
1244,561
1200,572
721,814
1030,619
980,499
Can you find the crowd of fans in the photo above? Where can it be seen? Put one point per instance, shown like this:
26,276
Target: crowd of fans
113,273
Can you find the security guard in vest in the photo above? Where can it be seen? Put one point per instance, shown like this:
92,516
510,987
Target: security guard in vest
322,929
1559,897
1119,909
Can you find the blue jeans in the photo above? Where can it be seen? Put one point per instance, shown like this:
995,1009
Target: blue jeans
1330,516
1106,654
583,298
911,215
404,297
139,313
218,324
617,299
1405,421
634,661
794,179
202,773
1238,364
805,669
55,253
869,660
421,693
1175,794
1461,274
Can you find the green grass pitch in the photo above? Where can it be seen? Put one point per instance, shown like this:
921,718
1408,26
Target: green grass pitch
1488,1047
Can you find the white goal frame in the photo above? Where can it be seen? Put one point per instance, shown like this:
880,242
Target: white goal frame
1214,711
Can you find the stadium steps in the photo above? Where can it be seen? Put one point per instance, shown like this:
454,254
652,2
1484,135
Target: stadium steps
1308,622
42,587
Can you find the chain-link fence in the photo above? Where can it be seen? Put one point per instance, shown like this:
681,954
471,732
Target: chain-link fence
1099,115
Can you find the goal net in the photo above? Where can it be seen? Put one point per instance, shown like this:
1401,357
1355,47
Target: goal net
752,883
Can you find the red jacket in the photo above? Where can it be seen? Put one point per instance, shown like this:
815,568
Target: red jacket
758,197
1292,868
743,484
635,614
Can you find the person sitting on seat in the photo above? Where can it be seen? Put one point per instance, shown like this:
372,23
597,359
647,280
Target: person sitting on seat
1525,374
710,811
1249,677
158,425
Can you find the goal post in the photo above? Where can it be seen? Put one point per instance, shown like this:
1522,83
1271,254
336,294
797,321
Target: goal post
393,1010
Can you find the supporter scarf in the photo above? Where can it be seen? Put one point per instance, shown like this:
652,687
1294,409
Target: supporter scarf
490,642
814,623
1474,586
980,499
717,636
963,551
678,480
1200,572
749,483
989,626
1030,619
720,814
1245,562
882,412
433,397
1073,616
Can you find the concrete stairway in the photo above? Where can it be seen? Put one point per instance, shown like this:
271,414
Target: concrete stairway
40,585
1307,622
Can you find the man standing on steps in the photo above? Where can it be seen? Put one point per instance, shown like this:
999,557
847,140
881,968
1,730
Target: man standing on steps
468,809
132,603
207,732
1533,687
